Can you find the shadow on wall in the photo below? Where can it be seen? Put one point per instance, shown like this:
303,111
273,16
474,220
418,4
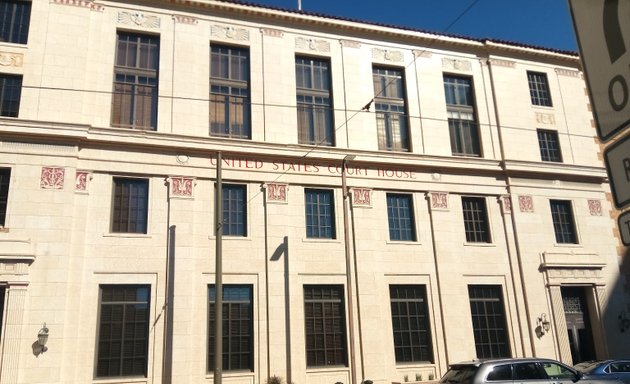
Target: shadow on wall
616,315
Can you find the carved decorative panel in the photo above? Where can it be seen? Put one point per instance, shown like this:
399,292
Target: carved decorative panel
387,55
271,32
595,207
439,200
182,186
506,204
81,3
10,59
138,19
350,43
545,118
361,197
312,45
277,193
81,181
229,33
422,53
52,178
567,72
503,63
526,203
185,19
456,64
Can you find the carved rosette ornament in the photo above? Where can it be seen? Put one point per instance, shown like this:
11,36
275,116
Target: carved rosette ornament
439,200
595,207
52,178
182,186
277,193
361,197
526,203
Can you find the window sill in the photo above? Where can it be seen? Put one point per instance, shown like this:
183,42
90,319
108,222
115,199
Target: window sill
231,238
543,107
16,45
327,368
486,245
320,240
402,242
127,235
568,245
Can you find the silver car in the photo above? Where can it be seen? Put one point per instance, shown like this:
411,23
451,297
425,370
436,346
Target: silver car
517,371
618,369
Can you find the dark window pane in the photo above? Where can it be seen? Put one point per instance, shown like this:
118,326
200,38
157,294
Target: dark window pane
476,220
314,101
234,210
324,317
5,177
400,217
412,336
549,145
15,18
460,109
320,214
130,205
238,327
391,109
10,92
123,331
488,318
539,88
563,222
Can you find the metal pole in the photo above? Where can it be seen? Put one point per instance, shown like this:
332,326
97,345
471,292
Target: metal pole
346,237
218,297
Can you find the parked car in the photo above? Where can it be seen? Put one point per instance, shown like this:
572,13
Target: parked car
618,369
521,371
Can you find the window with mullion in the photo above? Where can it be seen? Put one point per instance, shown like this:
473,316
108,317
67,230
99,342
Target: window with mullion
460,109
400,217
234,210
123,335
320,214
5,176
539,88
10,92
563,222
238,327
15,16
314,101
488,319
549,145
325,326
230,106
476,219
410,323
130,205
391,109
135,96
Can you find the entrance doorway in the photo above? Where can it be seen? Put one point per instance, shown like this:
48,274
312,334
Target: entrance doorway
578,324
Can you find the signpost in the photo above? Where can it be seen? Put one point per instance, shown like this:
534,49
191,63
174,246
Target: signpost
603,34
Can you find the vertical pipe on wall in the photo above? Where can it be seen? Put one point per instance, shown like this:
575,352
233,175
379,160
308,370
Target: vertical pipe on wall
218,287
346,235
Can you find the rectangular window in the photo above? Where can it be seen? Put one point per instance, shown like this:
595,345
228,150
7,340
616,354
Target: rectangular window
400,217
539,88
5,176
325,325
549,145
410,323
135,98
238,327
320,214
391,109
123,331
460,109
10,91
476,219
229,92
488,318
131,205
563,222
234,210
314,101
15,16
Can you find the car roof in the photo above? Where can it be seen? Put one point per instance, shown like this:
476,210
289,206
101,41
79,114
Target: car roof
480,362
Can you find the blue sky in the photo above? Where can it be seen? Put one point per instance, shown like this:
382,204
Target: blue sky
545,23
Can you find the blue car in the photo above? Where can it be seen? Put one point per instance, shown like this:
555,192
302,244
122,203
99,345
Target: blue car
614,369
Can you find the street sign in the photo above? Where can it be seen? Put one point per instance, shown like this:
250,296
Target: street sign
603,34
624,227
617,158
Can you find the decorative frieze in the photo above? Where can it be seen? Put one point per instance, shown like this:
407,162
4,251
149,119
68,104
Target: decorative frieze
229,33
185,19
506,203
52,178
312,45
350,44
502,63
439,200
361,197
11,59
456,64
138,19
568,73
81,3
181,186
526,204
271,32
277,193
387,55
422,53
595,207
81,181
545,118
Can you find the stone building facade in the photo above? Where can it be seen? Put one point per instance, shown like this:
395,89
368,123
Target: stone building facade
394,200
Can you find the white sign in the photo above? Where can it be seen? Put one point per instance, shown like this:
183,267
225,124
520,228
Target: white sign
603,31
624,227
617,158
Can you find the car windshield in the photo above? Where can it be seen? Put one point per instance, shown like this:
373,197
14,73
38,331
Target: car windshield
587,366
460,374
